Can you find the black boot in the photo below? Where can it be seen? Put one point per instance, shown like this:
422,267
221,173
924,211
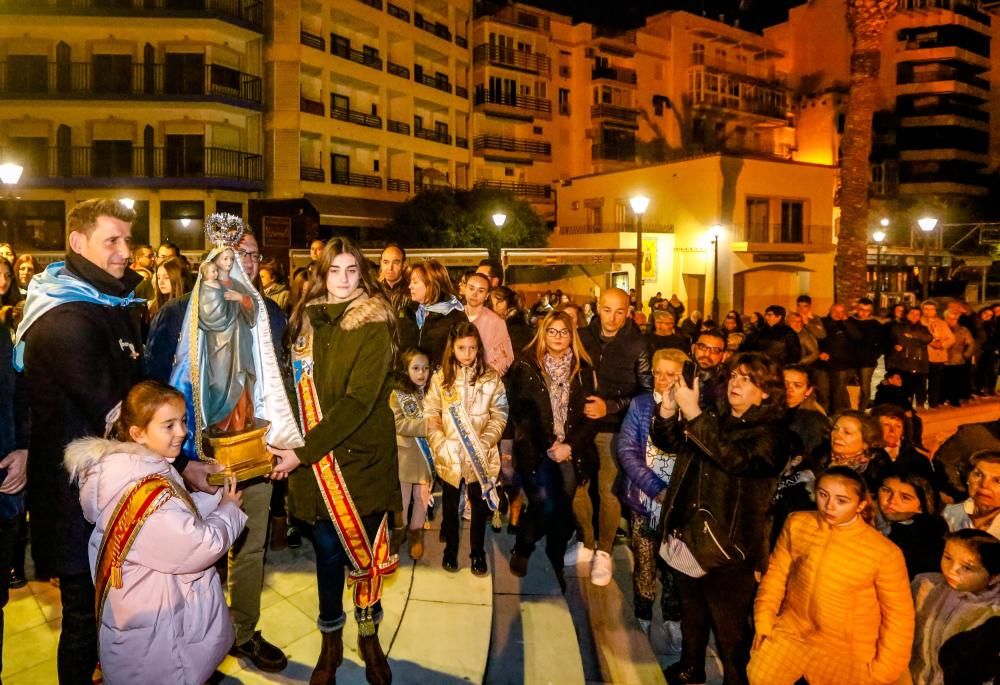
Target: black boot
331,656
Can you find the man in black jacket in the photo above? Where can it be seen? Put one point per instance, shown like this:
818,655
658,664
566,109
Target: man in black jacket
839,358
777,340
869,348
621,359
82,352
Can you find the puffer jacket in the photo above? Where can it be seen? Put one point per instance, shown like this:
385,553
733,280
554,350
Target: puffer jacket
485,402
168,623
632,443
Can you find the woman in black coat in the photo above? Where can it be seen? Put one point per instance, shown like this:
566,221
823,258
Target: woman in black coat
553,441
436,309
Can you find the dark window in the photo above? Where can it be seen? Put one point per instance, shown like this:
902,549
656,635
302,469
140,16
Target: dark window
340,101
27,73
32,154
112,73
140,227
182,223
112,158
234,208
340,167
34,226
225,78
375,166
758,226
185,156
184,74
791,222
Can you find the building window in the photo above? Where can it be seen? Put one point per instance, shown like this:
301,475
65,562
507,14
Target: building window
758,227
182,223
594,217
234,208
112,73
112,159
792,229
27,73
34,226
564,101
140,227
32,154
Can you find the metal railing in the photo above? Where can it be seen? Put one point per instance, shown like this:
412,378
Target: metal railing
584,229
522,60
311,173
431,134
462,142
943,75
398,12
461,41
377,4
360,57
614,112
515,16
83,79
248,13
620,74
310,106
505,144
533,190
398,70
462,92
433,81
398,185
796,234
523,102
362,180
438,29
398,127
312,40
756,70
344,114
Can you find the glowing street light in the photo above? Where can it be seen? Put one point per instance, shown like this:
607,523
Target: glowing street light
499,219
879,238
927,225
639,203
884,223
10,173
127,202
716,232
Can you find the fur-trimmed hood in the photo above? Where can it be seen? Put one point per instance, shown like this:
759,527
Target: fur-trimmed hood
365,310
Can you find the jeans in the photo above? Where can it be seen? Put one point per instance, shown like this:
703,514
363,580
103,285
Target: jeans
865,373
449,519
332,564
549,513
77,654
720,601
246,561
610,507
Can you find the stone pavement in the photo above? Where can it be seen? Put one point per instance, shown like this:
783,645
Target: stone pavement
441,627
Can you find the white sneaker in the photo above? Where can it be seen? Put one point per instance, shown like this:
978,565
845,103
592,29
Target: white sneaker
600,572
578,554
672,631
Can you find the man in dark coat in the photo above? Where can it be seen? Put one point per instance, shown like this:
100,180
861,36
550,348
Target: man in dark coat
838,354
777,340
82,353
870,347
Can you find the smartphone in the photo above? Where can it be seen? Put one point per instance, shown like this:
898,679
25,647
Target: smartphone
689,371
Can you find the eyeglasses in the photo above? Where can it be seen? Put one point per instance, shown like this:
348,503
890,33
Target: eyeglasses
558,332
255,256
702,347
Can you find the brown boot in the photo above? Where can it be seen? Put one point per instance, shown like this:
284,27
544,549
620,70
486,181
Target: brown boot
376,664
416,540
330,657
279,533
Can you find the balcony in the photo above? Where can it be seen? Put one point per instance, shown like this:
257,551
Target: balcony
398,127
310,106
512,105
461,41
438,29
82,80
516,16
904,79
618,74
616,41
146,167
360,118
397,185
760,71
739,95
245,13
590,229
623,116
366,58
398,70
311,173
613,152
433,81
359,180
377,4
773,236
519,60
433,135
398,13
505,148
538,191
312,40
462,142
462,92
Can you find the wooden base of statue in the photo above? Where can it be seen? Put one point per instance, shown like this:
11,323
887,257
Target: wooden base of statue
244,455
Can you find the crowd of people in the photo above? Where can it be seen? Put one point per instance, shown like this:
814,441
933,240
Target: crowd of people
816,541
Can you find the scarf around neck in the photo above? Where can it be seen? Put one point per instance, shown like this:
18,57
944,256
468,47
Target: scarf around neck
444,308
558,371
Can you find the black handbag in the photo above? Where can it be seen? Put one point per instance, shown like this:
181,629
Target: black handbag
709,540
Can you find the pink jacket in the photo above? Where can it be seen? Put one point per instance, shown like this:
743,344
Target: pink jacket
496,340
168,623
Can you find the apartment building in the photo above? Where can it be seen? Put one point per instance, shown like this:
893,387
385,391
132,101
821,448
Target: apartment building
368,103
159,101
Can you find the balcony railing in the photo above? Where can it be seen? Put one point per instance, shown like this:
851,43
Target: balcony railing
433,81
796,234
71,80
514,101
532,190
311,173
438,29
762,71
367,59
461,41
398,185
944,109
431,134
248,13
399,13
943,75
521,60
362,180
461,142
613,152
398,70
505,144
462,92
377,4
623,114
516,16
344,114
398,127
147,166
620,74
310,106
312,40
584,229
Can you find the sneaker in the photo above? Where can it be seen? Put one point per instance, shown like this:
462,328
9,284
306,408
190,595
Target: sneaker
578,554
265,656
672,631
600,571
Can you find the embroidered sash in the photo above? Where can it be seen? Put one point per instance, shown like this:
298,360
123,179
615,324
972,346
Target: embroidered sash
411,409
371,560
455,410
132,511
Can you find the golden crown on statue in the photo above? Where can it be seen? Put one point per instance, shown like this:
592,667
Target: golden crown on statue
224,230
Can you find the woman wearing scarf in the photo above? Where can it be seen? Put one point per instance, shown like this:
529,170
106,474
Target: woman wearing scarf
437,308
553,441
855,442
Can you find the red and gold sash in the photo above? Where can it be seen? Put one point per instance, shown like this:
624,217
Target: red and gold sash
371,562
133,510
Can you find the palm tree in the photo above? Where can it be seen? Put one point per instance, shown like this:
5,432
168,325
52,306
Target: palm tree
866,22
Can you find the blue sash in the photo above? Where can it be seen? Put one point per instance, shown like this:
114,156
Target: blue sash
473,448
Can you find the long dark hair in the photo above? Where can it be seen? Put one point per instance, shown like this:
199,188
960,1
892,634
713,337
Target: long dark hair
449,365
403,382
13,294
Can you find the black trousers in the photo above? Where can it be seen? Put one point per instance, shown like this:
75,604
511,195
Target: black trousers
935,384
450,518
549,513
77,654
719,601
8,533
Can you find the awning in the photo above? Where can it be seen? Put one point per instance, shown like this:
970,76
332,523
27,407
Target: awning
352,211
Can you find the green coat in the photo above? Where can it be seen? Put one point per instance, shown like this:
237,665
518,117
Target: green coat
352,362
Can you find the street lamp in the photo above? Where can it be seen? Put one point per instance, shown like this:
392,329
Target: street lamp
878,237
639,205
127,203
884,222
927,225
499,219
716,232
10,174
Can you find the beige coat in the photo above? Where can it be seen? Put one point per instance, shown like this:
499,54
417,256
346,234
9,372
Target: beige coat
486,403
408,408
937,350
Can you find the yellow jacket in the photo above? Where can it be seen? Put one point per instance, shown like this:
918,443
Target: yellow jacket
842,589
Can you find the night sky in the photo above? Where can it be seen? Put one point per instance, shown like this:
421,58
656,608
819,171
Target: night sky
752,14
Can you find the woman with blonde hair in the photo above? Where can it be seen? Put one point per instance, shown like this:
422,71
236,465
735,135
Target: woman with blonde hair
547,387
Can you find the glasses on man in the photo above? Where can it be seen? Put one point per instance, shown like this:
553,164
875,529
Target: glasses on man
255,256
557,332
702,347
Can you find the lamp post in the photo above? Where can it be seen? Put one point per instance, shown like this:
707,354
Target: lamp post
10,174
639,205
878,237
499,219
927,225
716,232
127,202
